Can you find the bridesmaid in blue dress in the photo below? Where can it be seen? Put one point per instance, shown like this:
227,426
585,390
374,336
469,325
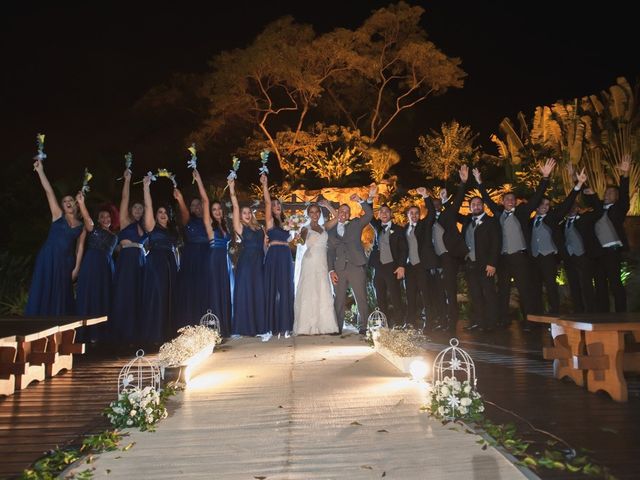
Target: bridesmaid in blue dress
278,268
126,308
220,270
51,291
160,273
248,294
193,277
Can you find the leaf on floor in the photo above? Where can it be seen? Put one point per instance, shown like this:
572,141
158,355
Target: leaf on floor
322,359
383,431
250,376
128,447
280,406
259,477
384,474
357,361
108,471
366,467
400,402
355,422
610,430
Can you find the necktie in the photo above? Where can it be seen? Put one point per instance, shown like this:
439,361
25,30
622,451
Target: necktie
340,229
570,222
411,228
507,213
474,222
538,221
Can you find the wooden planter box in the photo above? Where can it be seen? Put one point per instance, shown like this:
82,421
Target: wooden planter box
189,368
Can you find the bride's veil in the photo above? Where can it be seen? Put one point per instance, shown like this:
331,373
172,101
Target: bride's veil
301,248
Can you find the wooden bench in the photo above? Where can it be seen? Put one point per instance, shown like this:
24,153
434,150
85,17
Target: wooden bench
35,348
590,349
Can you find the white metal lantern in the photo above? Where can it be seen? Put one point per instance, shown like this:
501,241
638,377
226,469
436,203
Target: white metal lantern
138,374
210,320
377,320
454,362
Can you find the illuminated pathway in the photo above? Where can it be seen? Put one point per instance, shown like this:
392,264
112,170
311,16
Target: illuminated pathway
302,408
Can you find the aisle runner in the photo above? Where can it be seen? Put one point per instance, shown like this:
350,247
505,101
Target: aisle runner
302,408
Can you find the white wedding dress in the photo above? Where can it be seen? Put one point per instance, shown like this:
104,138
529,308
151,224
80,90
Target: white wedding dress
313,307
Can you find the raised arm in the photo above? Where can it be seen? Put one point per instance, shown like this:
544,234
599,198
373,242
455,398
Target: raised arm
268,215
206,210
237,224
125,218
56,211
623,188
79,255
334,214
149,218
493,206
563,209
535,200
182,207
86,218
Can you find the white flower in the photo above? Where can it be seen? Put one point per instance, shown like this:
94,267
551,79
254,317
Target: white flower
481,408
444,390
455,364
129,422
463,410
465,401
132,413
441,411
467,389
453,401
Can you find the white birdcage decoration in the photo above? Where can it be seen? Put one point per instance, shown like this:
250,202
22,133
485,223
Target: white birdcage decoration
210,320
454,362
138,374
377,319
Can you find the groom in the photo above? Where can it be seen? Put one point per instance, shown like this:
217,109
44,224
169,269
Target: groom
347,261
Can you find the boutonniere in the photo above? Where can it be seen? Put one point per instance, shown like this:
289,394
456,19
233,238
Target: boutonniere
478,223
390,232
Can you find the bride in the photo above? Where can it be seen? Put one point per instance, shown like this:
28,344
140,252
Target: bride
313,308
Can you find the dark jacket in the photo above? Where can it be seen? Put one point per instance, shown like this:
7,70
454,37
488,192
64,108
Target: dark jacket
453,240
522,211
616,212
487,237
422,233
554,220
397,244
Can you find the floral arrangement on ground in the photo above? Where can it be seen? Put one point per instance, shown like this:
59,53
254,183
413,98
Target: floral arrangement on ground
452,399
192,339
404,343
138,408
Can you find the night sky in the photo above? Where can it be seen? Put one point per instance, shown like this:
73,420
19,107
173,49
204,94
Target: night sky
76,73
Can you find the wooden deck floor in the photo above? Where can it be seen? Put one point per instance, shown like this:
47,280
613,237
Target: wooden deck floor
511,374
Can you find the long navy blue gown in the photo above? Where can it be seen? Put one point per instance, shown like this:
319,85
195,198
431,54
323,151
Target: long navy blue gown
193,277
126,309
95,280
159,287
278,283
248,294
51,291
220,280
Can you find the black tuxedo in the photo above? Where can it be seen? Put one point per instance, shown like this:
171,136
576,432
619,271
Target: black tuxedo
415,276
515,265
545,267
607,271
450,260
482,289
385,282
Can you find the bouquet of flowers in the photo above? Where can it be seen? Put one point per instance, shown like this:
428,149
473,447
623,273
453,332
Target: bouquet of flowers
264,158
85,181
163,172
135,407
452,399
128,161
235,166
40,143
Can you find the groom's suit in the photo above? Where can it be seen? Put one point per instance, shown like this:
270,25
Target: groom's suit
346,257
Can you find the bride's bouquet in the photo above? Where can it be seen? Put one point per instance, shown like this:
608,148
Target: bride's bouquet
294,223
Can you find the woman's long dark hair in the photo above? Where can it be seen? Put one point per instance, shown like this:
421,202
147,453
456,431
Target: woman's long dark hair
214,222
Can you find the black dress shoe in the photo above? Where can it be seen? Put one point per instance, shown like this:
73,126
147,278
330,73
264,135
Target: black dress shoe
487,329
475,326
362,331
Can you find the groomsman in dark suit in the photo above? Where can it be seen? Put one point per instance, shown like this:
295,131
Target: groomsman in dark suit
415,272
579,249
545,231
612,238
514,260
483,238
388,259
449,246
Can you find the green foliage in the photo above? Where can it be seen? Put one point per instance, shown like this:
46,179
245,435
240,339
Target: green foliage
15,275
440,154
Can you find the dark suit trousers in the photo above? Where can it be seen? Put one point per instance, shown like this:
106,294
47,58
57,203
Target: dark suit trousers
543,272
607,279
388,288
516,266
436,300
484,295
580,276
415,281
450,267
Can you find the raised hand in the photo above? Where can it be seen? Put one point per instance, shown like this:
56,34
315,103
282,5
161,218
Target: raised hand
146,181
80,198
464,173
37,165
324,203
231,183
625,164
422,191
476,175
373,190
177,194
263,180
582,178
127,175
444,195
196,175
355,198
547,168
